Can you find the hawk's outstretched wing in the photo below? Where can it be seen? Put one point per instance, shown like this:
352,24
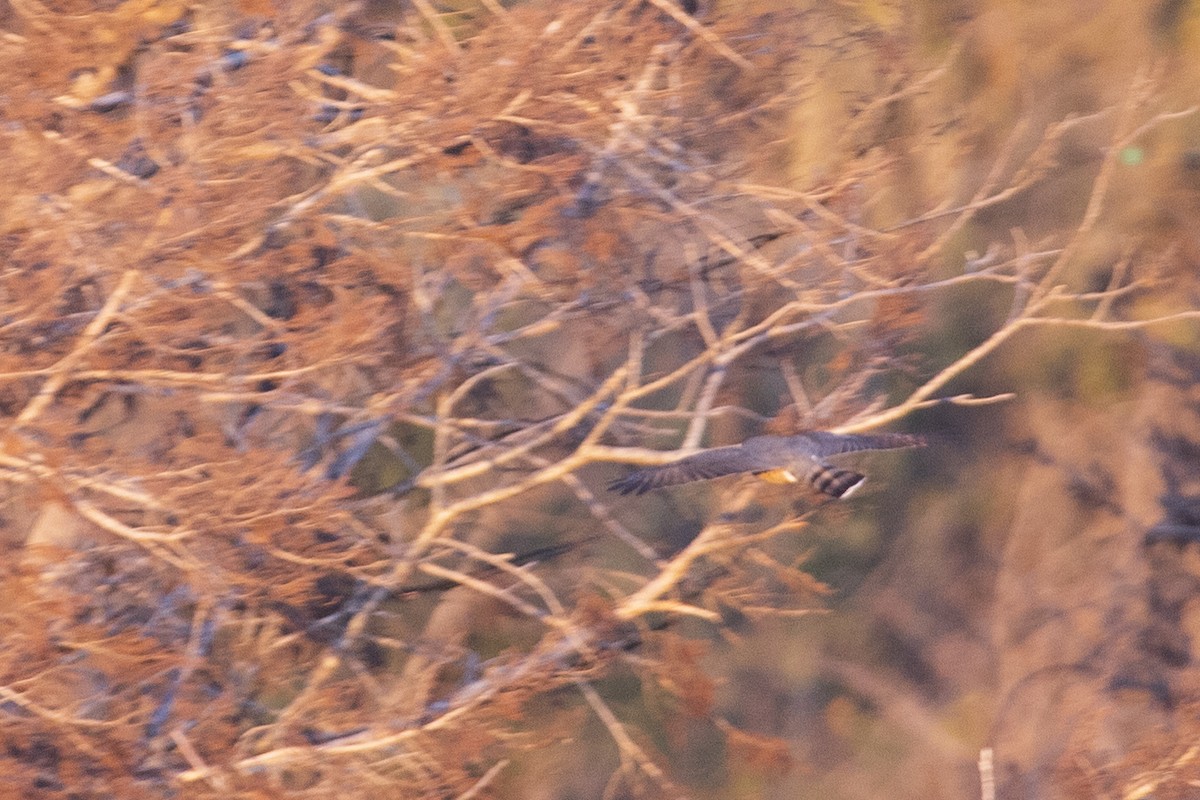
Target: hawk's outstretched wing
825,444
700,467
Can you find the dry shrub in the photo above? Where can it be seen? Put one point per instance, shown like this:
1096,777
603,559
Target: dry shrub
322,324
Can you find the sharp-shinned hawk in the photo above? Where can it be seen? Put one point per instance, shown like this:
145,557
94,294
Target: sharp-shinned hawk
779,459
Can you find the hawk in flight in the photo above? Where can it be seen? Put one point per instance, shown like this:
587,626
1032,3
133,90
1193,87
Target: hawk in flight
779,459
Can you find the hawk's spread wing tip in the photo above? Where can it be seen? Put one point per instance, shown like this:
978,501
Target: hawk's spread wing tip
633,483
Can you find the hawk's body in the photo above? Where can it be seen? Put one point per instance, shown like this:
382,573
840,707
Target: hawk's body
780,459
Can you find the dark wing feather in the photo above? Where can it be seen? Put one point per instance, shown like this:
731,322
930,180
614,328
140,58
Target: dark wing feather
700,467
831,444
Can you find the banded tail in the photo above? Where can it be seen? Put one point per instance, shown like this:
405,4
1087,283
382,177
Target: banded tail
834,481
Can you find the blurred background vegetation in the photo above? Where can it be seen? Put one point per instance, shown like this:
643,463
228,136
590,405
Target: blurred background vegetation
353,194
